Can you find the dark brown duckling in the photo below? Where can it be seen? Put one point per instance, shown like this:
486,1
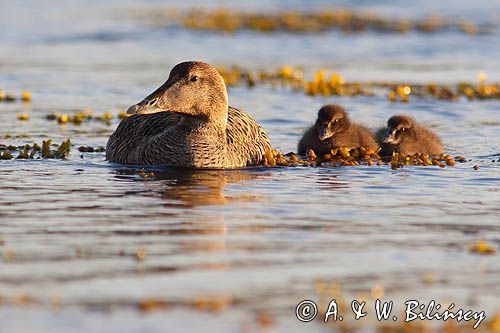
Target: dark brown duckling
385,148
334,129
408,137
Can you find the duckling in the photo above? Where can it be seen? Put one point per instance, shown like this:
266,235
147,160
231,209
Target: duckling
385,148
334,129
187,123
408,137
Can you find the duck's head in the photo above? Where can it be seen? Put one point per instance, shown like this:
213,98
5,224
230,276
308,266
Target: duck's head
399,127
332,119
193,88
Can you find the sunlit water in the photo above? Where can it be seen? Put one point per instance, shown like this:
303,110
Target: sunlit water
256,240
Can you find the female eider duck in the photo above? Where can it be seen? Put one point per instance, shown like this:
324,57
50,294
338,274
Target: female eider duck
187,123
405,136
334,129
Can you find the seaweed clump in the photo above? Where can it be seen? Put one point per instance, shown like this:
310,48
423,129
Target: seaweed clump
90,149
337,157
346,156
36,151
6,97
344,20
81,116
482,247
334,84
400,160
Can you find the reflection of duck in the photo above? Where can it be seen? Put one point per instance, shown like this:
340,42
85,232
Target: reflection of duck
192,127
334,129
405,136
200,187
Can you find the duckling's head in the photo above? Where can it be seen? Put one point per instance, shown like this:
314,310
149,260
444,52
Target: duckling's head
399,127
332,119
193,89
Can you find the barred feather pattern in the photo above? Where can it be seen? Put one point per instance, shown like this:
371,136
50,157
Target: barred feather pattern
159,139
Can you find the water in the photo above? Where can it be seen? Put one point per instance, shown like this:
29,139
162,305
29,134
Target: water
254,241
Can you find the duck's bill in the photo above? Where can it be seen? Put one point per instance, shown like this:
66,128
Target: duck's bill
142,108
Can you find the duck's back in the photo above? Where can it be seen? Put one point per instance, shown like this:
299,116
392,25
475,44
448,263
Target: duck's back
133,133
247,142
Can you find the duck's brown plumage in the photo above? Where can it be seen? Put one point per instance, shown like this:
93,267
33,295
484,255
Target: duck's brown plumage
187,123
334,129
404,135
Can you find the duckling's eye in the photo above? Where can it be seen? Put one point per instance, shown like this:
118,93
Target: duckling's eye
403,129
193,78
336,121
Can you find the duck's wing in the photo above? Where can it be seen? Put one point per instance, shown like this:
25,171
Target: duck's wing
247,142
132,132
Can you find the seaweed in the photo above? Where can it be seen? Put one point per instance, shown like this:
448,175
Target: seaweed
292,21
334,84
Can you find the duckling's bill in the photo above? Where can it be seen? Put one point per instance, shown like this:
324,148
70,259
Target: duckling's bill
391,138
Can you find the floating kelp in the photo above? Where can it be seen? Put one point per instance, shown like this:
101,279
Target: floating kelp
17,136
480,90
346,156
399,160
144,174
22,116
149,305
337,157
345,20
89,149
28,151
285,76
81,116
333,84
482,247
5,97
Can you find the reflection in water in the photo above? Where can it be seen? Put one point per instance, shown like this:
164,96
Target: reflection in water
331,182
181,189
200,187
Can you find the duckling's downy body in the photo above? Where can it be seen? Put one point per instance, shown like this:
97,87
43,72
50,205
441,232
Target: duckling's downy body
334,129
407,137
187,123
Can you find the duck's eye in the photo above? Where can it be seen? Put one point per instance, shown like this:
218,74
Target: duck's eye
403,129
193,78
336,121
